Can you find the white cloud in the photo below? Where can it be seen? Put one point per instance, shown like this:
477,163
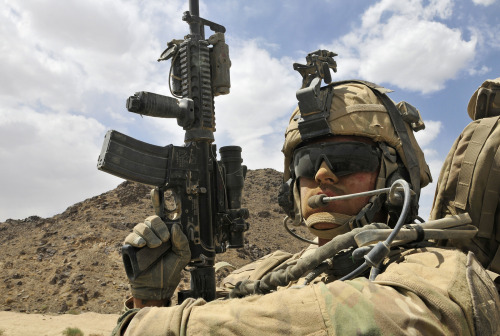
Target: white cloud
429,134
404,44
487,33
373,16
48,162
479,72
255,113
483,2
54,56
66,66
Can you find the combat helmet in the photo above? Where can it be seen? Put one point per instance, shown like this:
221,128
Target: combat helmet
357,108
485,102
470,177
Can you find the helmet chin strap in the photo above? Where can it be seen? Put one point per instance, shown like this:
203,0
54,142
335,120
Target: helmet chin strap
329,217
345,222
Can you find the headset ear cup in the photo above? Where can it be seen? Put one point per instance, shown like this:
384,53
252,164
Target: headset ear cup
285,198
395,210
399,173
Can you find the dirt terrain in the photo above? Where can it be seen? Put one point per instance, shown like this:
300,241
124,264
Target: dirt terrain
70,263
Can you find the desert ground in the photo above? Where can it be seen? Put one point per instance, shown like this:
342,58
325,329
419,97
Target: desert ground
66,270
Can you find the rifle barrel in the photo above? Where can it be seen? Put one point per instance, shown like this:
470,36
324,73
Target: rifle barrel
196,27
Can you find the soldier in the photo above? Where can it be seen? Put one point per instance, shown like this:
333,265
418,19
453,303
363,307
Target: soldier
419,289
470,177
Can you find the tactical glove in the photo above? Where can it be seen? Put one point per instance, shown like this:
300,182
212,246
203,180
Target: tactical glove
160,281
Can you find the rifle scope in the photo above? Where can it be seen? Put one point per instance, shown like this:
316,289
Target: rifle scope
235,174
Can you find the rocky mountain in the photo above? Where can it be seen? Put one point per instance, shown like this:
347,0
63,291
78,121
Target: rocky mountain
71,262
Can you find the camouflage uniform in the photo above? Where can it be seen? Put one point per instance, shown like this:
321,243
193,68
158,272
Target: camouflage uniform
422,291
428,291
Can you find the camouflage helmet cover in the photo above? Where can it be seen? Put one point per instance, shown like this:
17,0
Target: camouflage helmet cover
485,102
356,110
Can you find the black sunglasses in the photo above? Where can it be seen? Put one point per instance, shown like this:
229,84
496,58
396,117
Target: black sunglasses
343,158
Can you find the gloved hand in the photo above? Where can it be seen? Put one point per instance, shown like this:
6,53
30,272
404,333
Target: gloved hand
160,281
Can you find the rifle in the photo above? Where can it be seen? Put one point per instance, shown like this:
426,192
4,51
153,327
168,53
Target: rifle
192,188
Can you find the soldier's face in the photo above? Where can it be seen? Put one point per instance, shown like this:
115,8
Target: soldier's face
326,182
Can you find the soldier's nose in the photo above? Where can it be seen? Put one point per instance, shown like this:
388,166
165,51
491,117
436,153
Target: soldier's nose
325,175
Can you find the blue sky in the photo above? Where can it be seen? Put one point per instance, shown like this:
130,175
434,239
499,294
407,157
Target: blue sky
67,68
